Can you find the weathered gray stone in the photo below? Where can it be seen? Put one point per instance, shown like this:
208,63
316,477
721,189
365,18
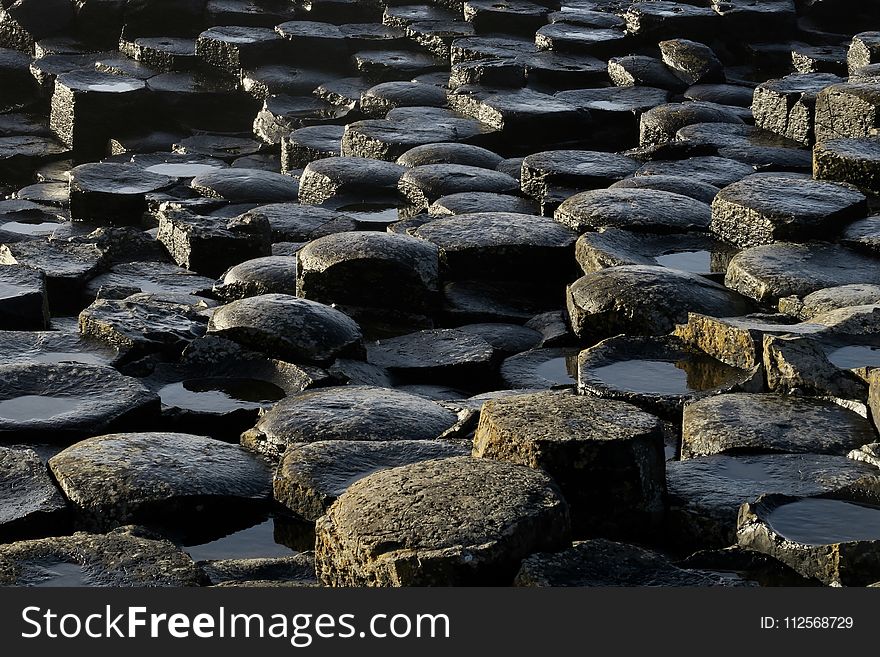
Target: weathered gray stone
425,184
66,402
371,269
210,245
763,209
348,413
842,551
864,50
601,562
661,374
311,477
606,456
288,328
31,504
799,365
332,177
705,493
147,276
659,125
146,323
644,300
683,185
848,110
696,253
828,299
640,70
693,62
494,246
296,570
450,153
853,161
23,300
442,355
771,423
581,170
441,522
292,222
710,170
117,479
788,106
767,273
648,210
268,275
123,558
473,202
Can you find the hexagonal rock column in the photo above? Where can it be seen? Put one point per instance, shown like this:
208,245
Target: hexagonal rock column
288,328
210,245
606,456
864,50
771,423
834,541
580,170
110,191
66,402
848,110
445,522
122,558
788,106
370,269
232,48
120,478
88,107
855,161
644,300
348,413
763,209
311,477
495,245
23,300
333,177
30,502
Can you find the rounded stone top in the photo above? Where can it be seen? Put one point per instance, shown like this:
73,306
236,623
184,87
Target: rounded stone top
465,231
121,179
95,81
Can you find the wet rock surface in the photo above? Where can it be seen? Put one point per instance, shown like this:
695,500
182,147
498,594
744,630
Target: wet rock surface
516,511
606,456
343,229
31,501
197,475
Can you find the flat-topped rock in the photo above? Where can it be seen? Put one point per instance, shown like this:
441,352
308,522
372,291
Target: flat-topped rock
853,161
267,275
788,106
765,209
288,328
771,423
708,169
246,185
146,323
24,303
325,179
348,413
767,273
122,558
311,477
600,562
450,153
644,300
581,170
606,456
705,493
425,184
659,125
442,355
120,478
492,245
31,502
292,222
68,401
647,210
441,522
371,269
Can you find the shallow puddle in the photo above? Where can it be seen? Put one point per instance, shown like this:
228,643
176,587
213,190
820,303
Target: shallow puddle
251,543
695,262
58,575
38,228
379,213
664,377
220,395
823,522
182,170
854,356
37,407
562,371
